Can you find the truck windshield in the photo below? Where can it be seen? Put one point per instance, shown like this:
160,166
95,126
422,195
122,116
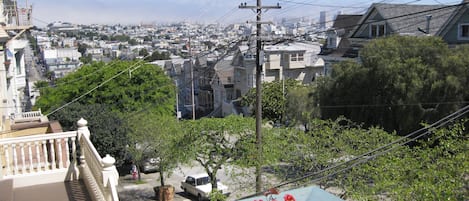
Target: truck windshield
203,181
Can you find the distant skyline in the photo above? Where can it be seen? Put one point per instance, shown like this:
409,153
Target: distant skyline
201,11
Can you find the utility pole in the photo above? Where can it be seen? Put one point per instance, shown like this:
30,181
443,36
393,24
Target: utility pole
192,77
258,9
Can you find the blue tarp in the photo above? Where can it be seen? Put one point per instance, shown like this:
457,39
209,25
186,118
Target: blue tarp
310,193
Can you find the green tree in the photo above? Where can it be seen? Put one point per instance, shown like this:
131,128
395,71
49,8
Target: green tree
143,52
108,133
38,85
82,48
401,81
302,105
156,55
437,170
86,59
123,89
273,98
217,142
155,136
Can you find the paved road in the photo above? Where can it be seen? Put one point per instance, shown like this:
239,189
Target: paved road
240,182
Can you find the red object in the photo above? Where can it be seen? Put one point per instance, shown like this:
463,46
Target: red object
289,197
272,191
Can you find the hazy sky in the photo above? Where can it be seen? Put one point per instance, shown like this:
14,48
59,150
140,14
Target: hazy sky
207,11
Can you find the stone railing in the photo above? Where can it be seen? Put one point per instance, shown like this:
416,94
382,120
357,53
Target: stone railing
99,174
34,155
27,116
51,158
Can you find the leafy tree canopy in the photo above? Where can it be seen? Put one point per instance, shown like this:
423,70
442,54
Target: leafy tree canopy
139,86
401,81
158,136
273,98
108,133
435,170
217,142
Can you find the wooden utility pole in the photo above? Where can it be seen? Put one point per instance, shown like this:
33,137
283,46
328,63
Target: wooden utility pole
258,9
192,78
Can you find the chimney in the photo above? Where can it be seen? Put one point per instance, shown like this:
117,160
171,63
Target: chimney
429,17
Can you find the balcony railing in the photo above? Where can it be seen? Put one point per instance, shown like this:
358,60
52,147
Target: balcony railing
27,116
49,158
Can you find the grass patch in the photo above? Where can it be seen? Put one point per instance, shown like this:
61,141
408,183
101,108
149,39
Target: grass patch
140,182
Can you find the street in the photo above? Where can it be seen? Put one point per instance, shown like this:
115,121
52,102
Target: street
240,182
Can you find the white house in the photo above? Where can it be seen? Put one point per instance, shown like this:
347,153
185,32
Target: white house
62,61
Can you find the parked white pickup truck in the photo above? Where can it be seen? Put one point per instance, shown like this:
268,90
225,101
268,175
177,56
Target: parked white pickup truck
199,185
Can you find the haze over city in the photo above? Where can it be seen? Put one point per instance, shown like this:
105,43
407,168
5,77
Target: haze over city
197,11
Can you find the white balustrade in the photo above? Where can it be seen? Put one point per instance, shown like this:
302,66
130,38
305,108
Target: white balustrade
51,153
99,174
35,154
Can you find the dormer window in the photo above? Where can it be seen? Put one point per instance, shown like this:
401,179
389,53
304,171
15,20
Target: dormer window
377,30
463,31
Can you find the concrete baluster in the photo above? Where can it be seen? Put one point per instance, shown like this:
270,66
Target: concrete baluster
74,156
52,154
38,156
58,142
46,156
67,153
23,159
7,159
110,176
83,131
30,155
15,159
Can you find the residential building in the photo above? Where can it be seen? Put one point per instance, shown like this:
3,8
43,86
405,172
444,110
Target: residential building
450,22
61,61
337,47
204,72
12,63
223,88
235,78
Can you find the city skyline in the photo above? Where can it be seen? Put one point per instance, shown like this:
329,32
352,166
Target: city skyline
197,11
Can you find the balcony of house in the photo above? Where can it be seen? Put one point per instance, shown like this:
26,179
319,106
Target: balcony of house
18,18
55,166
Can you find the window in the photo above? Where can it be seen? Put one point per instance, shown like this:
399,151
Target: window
464,31
377,30
293,57
297,57
300,57
190,181
203,181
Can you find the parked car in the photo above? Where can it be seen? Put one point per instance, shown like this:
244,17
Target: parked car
150,165
199,186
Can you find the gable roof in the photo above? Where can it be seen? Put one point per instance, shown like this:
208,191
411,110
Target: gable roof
406,19
346,23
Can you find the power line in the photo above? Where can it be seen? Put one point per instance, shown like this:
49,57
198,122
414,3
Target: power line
319,5
131,68
365,157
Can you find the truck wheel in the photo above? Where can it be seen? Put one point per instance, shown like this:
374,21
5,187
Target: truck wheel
199,198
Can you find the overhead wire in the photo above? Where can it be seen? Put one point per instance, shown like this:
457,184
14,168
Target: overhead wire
413,136
132,67
427,129
76,99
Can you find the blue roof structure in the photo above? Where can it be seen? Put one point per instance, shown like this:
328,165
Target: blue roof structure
310,193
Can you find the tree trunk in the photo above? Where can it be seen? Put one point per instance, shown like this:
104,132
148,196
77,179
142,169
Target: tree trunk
213,180
161,174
